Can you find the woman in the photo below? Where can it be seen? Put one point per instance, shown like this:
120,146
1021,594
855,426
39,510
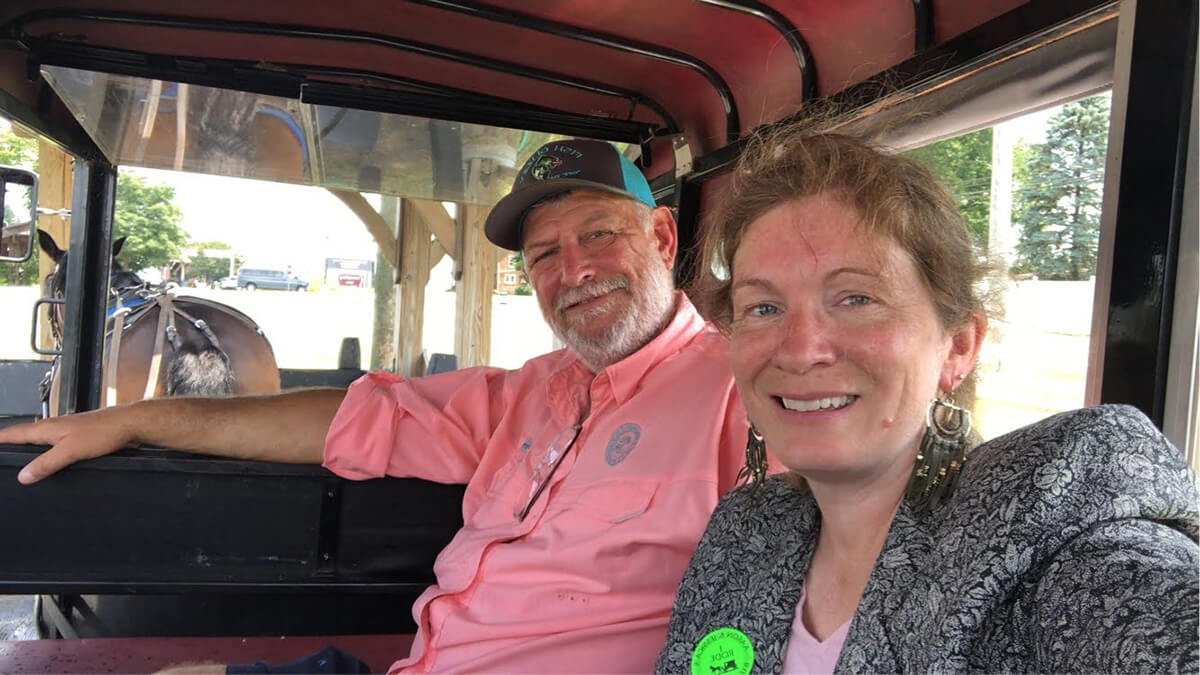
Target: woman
854,318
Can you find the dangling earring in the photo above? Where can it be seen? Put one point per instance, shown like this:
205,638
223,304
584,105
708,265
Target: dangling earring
942,454
755,470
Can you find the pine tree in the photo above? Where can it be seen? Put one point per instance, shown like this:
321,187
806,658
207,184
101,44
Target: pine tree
1058,205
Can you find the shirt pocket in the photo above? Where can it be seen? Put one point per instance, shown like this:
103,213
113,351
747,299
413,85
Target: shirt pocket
613,501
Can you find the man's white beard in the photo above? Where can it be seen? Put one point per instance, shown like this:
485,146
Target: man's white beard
652,306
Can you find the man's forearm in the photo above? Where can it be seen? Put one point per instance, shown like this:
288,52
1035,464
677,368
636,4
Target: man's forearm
286,427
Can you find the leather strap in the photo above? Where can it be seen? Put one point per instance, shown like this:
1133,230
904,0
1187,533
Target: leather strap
166,315
114,351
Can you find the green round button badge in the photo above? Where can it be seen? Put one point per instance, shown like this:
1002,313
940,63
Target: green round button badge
724,651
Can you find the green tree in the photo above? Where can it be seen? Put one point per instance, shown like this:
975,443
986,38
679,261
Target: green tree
210,268
148,216
22,152
1058,203
964,163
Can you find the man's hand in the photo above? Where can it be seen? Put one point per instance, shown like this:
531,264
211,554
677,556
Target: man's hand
286,427
72,438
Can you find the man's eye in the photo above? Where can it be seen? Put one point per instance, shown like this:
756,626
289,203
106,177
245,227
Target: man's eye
855,300
598,237
540,257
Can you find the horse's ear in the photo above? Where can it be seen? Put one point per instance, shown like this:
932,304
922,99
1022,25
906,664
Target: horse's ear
48,245
117,246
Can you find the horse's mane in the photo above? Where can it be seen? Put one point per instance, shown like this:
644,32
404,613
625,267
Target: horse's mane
119,278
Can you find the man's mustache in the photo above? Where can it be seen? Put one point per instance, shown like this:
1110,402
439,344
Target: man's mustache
594,289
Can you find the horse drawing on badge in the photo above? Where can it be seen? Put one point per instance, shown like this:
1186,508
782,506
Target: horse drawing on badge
159,344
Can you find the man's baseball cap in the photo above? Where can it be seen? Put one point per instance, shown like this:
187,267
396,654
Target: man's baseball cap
562,166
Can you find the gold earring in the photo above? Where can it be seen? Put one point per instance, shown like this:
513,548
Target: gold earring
942,454
755,470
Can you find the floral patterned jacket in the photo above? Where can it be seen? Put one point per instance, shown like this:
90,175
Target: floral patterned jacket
1070,545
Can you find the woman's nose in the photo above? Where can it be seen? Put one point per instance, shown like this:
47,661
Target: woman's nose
808,341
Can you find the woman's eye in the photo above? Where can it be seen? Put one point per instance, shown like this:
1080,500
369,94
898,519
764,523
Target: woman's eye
762,310
854,300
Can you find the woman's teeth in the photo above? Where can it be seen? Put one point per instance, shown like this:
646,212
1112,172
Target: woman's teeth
817,403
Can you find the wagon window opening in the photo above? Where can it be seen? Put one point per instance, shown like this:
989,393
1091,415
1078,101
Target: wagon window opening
1030,190
310,199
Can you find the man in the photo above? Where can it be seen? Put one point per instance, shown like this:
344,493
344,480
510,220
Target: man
590,471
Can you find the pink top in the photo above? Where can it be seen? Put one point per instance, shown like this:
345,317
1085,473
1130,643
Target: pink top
585,582
807,654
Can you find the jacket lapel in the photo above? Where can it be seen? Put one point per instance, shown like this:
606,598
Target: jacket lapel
896,581
769,613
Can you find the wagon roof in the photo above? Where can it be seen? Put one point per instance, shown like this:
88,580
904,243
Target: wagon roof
626,70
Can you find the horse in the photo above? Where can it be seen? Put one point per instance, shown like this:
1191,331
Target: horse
207,348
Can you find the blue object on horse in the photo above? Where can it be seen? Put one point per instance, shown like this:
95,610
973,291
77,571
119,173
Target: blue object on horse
136,302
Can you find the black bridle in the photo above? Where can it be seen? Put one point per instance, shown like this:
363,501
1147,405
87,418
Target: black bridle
124,289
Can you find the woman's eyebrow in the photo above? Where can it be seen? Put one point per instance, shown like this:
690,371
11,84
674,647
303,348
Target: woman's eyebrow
752,282
859,271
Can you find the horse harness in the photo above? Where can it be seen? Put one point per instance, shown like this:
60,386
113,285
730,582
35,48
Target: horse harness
124,315
133,304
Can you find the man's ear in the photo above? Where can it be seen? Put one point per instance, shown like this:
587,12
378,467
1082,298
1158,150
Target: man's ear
964,350
666,234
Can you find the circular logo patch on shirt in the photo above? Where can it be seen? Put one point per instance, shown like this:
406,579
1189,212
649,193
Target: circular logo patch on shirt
723,651
623,441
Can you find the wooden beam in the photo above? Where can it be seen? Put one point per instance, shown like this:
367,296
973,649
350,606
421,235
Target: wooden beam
438,221
54,192
414,276
373,222
436,253
476,258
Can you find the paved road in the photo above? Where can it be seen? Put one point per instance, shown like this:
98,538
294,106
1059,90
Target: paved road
16,618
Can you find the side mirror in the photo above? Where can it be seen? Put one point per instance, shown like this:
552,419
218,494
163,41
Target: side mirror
18,213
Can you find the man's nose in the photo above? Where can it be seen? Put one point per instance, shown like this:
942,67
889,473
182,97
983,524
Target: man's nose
577,266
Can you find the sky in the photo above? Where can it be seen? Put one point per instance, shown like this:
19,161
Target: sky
271,224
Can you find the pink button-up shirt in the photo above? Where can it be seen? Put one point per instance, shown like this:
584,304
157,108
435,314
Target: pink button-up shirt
586,495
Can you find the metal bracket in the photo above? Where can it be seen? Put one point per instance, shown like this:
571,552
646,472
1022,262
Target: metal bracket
33,328
683,156
330,523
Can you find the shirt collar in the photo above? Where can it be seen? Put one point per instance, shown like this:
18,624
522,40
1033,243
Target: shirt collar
567,387
626,375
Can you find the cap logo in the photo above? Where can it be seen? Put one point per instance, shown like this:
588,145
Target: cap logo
543,166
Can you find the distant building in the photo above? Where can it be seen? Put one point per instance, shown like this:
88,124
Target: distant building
508,277
349,272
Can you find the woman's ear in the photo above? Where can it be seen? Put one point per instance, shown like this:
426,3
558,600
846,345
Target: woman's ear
964,350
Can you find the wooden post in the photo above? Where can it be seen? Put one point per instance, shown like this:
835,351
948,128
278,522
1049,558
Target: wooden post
383,337
415,240
54,192
476,259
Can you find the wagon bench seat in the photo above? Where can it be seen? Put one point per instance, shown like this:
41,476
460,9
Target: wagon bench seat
147,655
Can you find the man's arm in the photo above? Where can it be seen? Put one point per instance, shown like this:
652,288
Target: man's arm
288,427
